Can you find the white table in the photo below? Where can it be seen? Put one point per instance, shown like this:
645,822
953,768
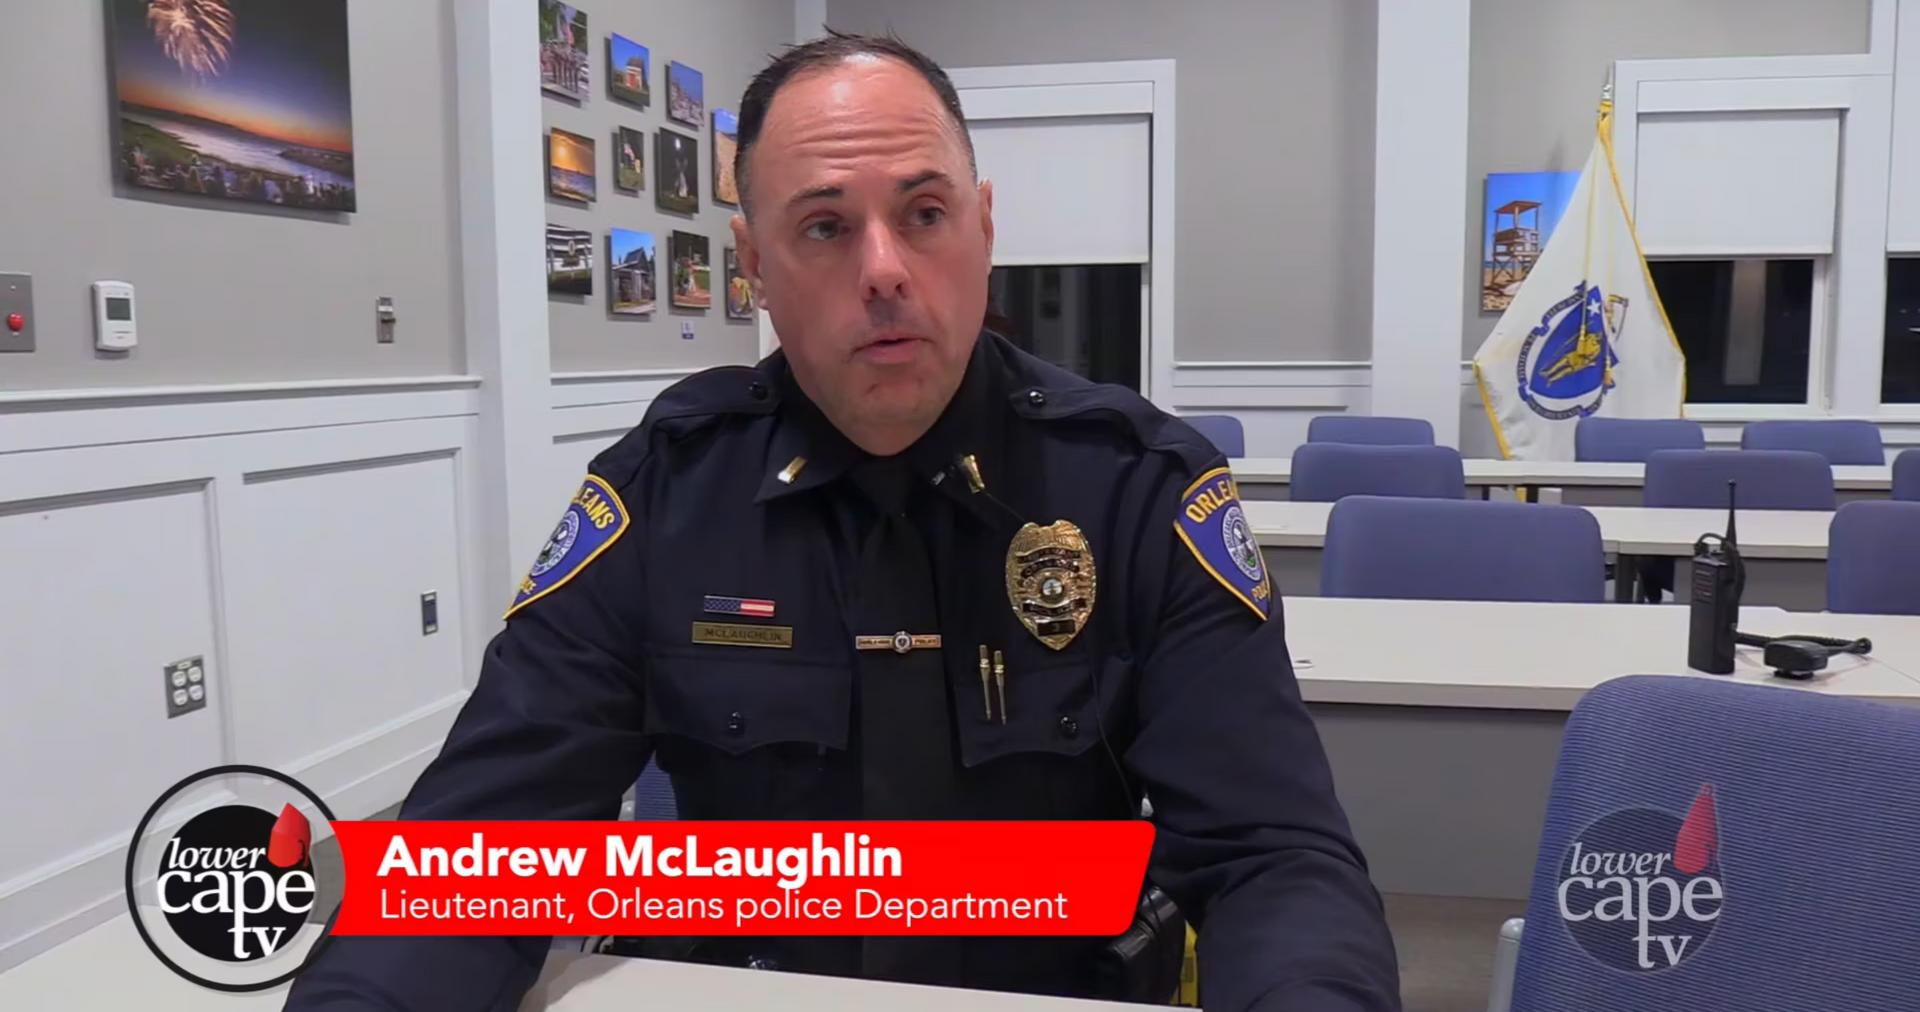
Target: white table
1443,719
1785,549
109,968
1484,473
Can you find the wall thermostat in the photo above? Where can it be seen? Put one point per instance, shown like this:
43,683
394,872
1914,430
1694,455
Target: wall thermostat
113,317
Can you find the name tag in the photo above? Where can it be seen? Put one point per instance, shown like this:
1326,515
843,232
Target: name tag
778,637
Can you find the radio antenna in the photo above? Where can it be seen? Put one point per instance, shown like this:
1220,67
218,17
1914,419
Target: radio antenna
1730,539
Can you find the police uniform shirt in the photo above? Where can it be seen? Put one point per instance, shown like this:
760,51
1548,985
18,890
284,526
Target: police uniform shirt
628,642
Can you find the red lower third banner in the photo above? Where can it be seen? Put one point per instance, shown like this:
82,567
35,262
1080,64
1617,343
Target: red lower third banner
741,878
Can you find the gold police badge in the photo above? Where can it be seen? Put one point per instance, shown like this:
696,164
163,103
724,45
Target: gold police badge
1050,581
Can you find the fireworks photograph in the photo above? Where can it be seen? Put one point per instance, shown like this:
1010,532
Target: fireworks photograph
570,173
692,271
563,50
686,95
245,100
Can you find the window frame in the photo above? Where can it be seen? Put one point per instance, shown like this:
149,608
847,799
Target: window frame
1820,345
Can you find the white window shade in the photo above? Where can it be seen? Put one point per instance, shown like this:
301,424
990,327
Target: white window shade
1737,183
1068,190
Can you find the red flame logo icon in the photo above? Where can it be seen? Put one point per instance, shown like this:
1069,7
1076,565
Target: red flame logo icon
1699,838
291,839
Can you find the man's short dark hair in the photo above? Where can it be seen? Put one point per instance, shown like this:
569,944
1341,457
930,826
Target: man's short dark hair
833,48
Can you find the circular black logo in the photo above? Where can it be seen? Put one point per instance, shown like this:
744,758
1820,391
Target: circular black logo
235,883
1641,889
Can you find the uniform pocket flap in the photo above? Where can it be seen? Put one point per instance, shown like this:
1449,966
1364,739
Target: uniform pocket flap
1048,710
739,703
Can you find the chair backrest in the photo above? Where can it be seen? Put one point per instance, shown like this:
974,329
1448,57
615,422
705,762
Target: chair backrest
1873,558
1766,832
1632,439
1765,479
1328,472
1224,431
1906,475
1374,430
1464,550
1840,440
653,799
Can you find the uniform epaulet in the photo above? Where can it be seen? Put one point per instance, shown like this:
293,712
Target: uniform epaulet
704,399
1070,397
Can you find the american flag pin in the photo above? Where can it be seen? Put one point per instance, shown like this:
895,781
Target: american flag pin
748,606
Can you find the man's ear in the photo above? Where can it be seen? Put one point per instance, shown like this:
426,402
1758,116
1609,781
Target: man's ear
986,218
749,258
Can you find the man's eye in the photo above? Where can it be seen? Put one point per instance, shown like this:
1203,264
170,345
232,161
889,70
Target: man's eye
928,215
822,230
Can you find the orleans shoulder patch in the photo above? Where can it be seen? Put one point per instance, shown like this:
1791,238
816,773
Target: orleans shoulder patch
1214,526
594,520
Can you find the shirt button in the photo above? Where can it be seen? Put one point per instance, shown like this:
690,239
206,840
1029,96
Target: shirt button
736,724
1069,726
1036,398
757,390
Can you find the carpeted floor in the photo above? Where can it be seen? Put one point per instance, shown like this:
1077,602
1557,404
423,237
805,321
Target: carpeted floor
1446,945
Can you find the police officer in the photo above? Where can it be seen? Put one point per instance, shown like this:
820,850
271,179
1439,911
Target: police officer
901,570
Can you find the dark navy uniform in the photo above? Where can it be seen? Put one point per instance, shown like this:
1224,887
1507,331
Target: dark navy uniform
736,487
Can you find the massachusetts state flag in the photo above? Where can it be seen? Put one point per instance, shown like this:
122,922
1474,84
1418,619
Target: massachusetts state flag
747,606
1585,334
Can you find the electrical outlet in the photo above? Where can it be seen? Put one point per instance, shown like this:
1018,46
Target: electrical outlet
429,613
186,686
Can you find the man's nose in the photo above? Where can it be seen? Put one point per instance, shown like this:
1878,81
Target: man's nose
883,272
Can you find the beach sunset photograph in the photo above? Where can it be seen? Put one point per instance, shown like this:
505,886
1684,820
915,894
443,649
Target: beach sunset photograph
570,174
246,100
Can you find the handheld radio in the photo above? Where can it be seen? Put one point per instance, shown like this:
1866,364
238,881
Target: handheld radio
1719,579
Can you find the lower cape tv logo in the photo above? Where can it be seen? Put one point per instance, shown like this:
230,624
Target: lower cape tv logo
1641,889
235,883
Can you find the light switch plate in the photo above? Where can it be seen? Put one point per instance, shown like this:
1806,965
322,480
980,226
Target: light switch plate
186,686
16,296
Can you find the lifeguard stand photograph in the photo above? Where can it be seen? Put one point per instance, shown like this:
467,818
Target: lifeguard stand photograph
1522,209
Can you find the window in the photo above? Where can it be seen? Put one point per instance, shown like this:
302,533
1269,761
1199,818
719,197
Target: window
1747,327
1083,319
1900,367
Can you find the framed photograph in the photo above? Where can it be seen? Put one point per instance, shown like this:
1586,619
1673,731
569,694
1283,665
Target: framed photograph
740,305
570,163
629,68
629,160
676,172
726,140
563,50
243,100
1521,210
630,272
569,261
686,95
692,271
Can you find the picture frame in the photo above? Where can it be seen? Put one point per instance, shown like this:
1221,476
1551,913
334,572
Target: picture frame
692,277
629,71
565,67
571,161
569,260
631,273
741,304
629,160
726,141
676,172
686,95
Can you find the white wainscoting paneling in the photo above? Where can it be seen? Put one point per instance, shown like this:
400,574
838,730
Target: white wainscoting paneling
1275,401
281,532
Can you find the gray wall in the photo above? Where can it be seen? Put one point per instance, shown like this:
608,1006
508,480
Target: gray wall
727,41
1538,66
1275,169
226,293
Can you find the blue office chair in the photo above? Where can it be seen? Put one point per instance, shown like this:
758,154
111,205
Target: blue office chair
1373,430
1467,550
1840,440
1223,431
1798,809
1766,479
1632,439
1906,475
1328,472
1873,558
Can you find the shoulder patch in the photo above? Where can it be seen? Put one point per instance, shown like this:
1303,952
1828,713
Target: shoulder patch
1214,526
594,520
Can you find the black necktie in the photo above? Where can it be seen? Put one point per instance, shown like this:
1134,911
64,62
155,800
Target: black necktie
906,737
